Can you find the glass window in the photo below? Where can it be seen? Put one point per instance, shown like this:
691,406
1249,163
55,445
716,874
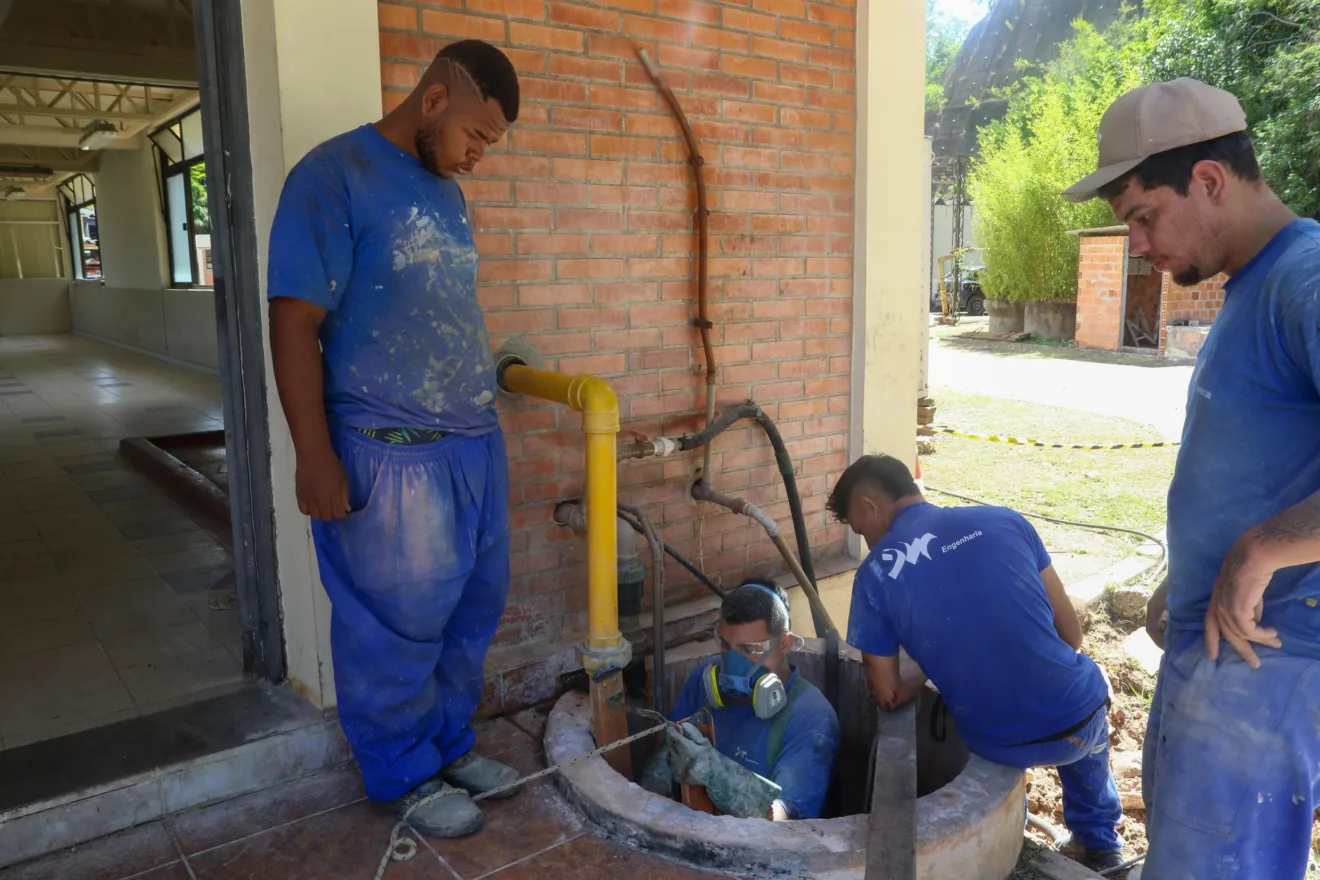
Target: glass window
184,201
181,264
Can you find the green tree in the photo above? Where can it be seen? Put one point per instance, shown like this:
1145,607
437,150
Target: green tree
945,35
200,206
1045,143
1267,52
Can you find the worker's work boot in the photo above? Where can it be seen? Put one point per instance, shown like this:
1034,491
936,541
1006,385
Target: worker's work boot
454,815
1104,859
478,775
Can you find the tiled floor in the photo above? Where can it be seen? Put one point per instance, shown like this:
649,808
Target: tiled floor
321,828
103,581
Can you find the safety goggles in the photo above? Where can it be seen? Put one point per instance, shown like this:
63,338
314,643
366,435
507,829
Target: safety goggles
751,650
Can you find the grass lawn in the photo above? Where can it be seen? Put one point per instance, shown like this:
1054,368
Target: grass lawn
1125,488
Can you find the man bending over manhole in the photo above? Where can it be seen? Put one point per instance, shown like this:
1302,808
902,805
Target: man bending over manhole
971,595
775,734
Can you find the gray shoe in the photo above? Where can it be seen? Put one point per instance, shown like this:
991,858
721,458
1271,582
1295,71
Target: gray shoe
477,775
454,815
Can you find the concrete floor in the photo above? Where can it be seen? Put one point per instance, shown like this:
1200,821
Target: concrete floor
103,581
1148,390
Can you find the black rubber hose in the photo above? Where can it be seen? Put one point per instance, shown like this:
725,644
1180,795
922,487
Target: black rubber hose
657,604
679,558
782,460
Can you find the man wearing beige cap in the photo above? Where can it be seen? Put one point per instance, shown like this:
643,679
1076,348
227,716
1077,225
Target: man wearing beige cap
1232,752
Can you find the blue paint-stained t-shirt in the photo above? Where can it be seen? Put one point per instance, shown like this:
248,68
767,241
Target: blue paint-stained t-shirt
959,588
366,232
805,764
1251,441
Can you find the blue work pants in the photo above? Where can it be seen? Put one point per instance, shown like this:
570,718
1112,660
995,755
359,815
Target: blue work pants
418,575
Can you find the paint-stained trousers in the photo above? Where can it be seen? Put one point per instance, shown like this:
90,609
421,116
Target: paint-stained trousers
1232,758
418,575
1091,806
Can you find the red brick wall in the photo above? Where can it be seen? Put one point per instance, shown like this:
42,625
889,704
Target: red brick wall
585,225
1200,302
1100,292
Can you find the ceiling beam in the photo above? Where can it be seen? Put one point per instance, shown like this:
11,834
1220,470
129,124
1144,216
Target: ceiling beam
50,136
48,59
15,109
9,166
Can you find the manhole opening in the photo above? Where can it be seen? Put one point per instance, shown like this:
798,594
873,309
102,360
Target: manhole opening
941,753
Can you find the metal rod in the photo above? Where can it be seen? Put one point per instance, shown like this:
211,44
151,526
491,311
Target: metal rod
703,241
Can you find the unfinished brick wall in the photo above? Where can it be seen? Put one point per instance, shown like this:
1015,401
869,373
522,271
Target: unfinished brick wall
1100,291
1143,296
1200,302
585,226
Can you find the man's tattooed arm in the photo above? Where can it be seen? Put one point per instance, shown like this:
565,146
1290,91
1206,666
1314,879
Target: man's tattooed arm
1299,523
1291,538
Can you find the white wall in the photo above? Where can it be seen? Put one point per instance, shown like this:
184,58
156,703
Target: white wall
177,324
129,221
310,76
34,306
893,161
132,305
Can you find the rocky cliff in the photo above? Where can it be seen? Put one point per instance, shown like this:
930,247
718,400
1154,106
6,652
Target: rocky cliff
1012,30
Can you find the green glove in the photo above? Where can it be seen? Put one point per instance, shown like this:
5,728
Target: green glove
732,788
657,778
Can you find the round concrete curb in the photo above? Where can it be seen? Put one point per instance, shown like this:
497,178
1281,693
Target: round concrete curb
971,829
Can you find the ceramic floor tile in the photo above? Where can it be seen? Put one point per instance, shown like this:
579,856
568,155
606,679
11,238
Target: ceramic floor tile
114,621
344,844
109,858
208,827
158,647
174,543
199,580
58,633
54,668
190,560
178,677
589,856
532,821
83,697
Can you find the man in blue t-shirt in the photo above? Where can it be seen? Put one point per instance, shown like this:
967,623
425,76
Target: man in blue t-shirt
970,594
768,719
1231,751
386,376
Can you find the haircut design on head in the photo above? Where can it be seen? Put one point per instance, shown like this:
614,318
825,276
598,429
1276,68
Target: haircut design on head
488,69
880,473
755,600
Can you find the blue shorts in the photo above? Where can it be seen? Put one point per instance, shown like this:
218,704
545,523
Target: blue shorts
1232,756
417,575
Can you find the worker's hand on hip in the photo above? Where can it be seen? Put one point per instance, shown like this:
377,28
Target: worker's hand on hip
322,486
1237,601
1155,609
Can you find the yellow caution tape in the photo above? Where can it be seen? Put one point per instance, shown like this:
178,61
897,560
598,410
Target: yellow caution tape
1022,441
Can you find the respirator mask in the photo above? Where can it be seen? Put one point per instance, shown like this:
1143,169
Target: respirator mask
738,677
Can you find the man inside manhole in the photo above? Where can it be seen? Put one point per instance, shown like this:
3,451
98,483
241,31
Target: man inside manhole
971,594
775,734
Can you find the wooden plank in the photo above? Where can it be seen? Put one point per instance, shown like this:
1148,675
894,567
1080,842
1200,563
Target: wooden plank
609,717
891,850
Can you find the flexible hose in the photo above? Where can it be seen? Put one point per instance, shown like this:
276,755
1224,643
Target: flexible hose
1046,828
782,460
1123,867
657,604
1095,527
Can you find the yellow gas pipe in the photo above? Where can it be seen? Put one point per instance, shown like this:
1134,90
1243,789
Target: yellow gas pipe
605,647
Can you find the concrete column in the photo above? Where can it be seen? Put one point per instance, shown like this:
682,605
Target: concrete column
129,220
313,71
893,195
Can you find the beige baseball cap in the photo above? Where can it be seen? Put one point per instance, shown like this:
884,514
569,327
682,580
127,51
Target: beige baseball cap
1154,118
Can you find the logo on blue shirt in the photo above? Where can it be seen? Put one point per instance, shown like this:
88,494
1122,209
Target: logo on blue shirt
910,554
